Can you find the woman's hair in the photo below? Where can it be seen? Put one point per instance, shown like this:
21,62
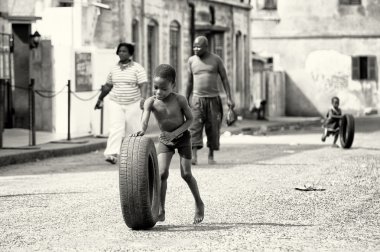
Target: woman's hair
130,48
335,98
165,71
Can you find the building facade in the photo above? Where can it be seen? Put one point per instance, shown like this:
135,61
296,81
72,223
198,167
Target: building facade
325,48
82,50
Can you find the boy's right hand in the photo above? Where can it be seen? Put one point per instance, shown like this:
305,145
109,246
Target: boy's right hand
138,133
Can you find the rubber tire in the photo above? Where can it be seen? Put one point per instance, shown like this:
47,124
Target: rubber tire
138,182
347,131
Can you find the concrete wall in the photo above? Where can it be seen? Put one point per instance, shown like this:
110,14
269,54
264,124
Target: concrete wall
313,42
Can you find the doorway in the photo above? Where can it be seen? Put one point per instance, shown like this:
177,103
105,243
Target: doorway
21,56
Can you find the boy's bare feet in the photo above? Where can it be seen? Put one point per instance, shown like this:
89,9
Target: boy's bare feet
194,161
335,146
161,216
199,213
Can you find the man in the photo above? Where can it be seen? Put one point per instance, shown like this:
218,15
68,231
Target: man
203,71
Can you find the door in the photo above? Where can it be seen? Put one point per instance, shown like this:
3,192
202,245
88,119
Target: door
21,33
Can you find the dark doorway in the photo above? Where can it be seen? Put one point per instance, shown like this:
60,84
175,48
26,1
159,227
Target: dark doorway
21,56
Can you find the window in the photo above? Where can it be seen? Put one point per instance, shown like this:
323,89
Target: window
135,38
175,49
364,68
350,2
270,5
219,44
152,51
65,3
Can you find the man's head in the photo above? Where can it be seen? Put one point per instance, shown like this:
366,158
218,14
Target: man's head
200,46
335,102
163,81
125,51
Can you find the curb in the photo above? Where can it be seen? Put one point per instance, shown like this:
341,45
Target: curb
264,129
49,150
39,154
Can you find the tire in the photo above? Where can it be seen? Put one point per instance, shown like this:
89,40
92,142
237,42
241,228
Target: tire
138,182
347,131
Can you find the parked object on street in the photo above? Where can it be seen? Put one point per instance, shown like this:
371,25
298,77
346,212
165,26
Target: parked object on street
138,182
347,131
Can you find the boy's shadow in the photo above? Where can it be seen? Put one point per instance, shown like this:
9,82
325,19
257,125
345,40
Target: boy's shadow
217,226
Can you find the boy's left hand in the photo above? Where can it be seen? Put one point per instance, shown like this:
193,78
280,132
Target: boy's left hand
167,136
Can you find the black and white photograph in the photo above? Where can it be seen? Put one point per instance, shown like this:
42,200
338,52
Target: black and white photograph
189,125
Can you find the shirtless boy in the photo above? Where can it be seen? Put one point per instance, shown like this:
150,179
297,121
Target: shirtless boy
174,117
204,68
331,124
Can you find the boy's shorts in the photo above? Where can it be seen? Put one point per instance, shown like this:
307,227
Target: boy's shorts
182,143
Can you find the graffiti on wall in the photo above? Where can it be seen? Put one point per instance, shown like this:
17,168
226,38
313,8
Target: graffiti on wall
331,83
330,72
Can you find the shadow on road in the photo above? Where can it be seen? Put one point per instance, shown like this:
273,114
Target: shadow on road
34,194
218,226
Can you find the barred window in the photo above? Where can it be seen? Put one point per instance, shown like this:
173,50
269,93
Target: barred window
364,68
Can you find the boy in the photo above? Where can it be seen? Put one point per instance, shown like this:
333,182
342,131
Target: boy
174,117
331,124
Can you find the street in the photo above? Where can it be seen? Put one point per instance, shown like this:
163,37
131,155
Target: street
72,203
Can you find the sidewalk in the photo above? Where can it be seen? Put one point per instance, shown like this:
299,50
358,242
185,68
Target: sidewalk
16,150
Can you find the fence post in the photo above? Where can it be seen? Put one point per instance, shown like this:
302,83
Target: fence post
68,109
1,111
101,119
32,115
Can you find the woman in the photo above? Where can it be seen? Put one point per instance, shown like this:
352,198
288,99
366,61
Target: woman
126,86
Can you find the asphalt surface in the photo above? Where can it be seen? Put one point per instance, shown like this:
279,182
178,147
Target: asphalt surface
72,203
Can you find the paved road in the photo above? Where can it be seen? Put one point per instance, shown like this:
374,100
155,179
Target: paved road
72,203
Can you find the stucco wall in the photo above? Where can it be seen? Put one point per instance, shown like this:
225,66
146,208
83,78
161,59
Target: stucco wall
313,42
319,69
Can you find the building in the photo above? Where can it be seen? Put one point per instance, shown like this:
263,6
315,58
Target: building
325,48
82,50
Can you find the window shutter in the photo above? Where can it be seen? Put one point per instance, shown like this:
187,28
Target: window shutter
355,68
372,69
356,2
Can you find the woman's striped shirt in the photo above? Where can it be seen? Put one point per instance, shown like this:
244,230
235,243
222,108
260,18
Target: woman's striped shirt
126,79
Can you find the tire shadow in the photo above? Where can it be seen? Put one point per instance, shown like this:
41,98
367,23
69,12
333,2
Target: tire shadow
219,226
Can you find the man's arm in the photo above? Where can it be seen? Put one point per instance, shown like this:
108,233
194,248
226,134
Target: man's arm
189,84
225,81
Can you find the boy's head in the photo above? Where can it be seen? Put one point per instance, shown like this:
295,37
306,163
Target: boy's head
163,81
335,102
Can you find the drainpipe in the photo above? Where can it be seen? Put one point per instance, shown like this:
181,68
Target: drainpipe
192,26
